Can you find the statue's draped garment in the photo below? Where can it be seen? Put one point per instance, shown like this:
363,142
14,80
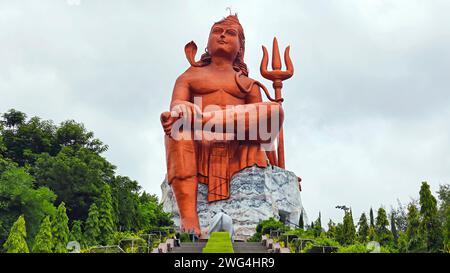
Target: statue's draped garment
213,162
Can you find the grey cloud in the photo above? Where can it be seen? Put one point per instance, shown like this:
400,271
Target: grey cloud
367,114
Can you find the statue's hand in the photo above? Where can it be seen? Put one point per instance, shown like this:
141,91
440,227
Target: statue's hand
186,109
166,121
182,109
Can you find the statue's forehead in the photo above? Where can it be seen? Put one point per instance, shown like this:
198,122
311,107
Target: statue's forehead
226,26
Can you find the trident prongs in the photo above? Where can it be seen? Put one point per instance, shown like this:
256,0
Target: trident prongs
277,76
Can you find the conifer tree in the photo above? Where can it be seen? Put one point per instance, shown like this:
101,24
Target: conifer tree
60,229
301,223
372,221
447,231
348,229
318,226
430,224
414,237
383,234
92,228
76,234
394,228
16,242
331,232
363,228
339,233
106,218
43,243
402,242
372,234
444,214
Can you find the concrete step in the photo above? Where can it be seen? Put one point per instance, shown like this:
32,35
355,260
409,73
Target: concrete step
251,247
189,248
238,247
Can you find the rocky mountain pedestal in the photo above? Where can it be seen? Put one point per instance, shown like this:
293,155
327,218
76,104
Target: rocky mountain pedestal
256,194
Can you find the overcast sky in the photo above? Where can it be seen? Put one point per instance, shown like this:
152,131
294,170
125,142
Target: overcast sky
367,111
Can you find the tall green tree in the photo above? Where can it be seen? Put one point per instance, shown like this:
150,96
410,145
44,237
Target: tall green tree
339,233
2,144
20,196
383,234
76,176
414,237
60,229
363,228
402,244
444,198
16,242
24,140
13,118
151,213
331,232
318,226
76,233
372,234
348,229
399,215
92,228
394,228
73,134
43,243
125,197
106,220
446,230
301,223
444,213
430,224
372,219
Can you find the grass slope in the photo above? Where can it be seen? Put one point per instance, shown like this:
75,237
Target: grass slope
219,242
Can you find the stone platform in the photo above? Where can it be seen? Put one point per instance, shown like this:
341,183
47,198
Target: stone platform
256,194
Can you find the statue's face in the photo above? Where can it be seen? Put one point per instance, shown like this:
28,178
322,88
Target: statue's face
224,40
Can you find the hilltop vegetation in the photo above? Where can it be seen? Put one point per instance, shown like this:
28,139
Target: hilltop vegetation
421,226
55,185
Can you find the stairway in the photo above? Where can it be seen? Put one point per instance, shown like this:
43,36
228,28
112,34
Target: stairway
250,247
189,248
238,247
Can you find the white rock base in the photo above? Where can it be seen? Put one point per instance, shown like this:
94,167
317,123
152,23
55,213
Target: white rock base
256,194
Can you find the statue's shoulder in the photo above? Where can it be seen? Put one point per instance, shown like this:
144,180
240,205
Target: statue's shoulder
190,74
245,82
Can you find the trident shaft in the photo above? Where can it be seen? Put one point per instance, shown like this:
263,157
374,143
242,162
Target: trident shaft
277,76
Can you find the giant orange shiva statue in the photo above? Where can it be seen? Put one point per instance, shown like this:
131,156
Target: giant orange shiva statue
218,123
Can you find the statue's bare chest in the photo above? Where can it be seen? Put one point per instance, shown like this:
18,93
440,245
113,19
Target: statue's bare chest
215,88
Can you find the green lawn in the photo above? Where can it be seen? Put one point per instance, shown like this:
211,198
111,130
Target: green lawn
219,242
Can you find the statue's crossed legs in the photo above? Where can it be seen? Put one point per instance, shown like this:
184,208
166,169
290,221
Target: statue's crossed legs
257,122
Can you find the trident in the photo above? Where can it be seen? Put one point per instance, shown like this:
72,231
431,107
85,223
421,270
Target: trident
277,76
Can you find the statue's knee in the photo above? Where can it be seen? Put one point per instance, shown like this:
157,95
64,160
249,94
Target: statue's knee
185,188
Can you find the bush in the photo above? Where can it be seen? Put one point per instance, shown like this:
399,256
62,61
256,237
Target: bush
265,226
255,237
184,237
356,248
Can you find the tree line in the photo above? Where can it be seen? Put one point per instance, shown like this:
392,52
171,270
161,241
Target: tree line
422,226
56,186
